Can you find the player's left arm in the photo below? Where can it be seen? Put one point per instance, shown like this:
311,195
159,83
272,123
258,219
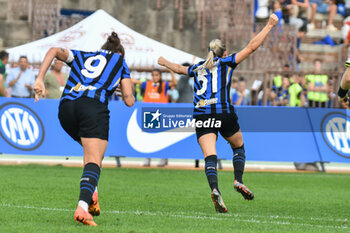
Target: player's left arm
177,68
59,53
257,40
344,86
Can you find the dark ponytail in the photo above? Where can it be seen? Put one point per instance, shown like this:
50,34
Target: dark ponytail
113,44
160,86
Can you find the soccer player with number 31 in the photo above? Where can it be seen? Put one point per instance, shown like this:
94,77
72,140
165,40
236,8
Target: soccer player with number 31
212,80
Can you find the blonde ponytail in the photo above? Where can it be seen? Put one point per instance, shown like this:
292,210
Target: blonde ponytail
216,48
209,63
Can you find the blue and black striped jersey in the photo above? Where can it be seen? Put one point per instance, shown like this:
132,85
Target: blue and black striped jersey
212,86
94,75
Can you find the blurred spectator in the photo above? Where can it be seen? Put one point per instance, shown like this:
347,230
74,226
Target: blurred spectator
283,95
55,81
317,86
347,8
301,34
290,9
323,7
262,11
242,95
332,96
2,86
299,7
345,31
21,79
139,93
282,91
341,9
185,88
156,91
277,80
173,95
270,97
277,9
234,84
4,57
296,92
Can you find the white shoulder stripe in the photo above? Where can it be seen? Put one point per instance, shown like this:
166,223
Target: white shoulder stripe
70,56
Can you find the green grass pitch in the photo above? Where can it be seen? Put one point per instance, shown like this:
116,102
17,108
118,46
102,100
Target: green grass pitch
37,198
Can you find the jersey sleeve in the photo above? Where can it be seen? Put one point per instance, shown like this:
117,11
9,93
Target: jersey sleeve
71,56
230,60
191,70
125,72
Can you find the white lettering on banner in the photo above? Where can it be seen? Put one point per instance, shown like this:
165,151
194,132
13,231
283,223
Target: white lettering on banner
191,123
16,120
338,134
144,142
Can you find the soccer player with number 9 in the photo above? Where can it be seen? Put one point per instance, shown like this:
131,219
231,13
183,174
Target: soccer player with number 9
83,111
212,80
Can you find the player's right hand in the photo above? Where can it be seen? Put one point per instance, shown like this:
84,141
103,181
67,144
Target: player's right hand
273,20
39,89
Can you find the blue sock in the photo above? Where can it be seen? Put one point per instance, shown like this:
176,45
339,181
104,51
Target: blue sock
238,161
88,182
211,172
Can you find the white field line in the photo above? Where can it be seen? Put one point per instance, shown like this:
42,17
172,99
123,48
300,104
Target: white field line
201,216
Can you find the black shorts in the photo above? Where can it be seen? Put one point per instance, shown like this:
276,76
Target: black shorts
84,117
229,124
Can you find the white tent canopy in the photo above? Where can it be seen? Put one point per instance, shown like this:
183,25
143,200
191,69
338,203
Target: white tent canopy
91,33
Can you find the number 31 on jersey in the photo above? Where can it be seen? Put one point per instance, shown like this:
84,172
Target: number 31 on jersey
202,78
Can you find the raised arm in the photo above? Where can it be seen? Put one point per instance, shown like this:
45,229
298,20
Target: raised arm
60,54
257,40
177,68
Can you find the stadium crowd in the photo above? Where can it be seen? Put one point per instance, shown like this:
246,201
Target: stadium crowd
315,89
303,12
